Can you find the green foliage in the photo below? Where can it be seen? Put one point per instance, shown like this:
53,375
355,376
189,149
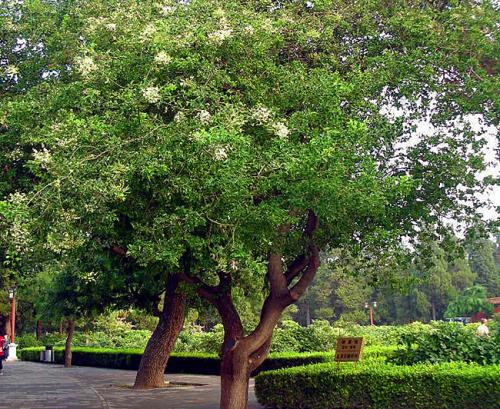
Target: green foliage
470,302
192,339
117,339
381,335
482,261
290,336
380,386
27,341
448,342
194,363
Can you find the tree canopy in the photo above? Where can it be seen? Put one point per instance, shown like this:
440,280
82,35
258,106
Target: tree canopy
167,127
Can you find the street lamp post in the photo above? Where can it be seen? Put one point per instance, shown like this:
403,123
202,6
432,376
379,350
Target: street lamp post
12,346
370,306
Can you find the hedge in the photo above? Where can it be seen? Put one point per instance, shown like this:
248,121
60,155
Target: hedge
375,385
194,363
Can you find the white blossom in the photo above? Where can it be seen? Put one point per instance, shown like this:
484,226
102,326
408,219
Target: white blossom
151,94
18,232
18,198
167,10
224,32
261,115
220,153
179,117
15,154
163,58
219,13
219,36
204,117
94,24
111,26
281,130
43,157
249,30
86,65
186,82
148,32
90,277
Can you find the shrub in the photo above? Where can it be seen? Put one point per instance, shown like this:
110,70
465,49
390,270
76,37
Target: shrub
28,340
385,335
380,386
194,363
292,337
447,342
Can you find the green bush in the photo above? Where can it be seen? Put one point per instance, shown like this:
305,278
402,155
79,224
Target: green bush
292,337
373,385
195,363
384,335
28,340
447,342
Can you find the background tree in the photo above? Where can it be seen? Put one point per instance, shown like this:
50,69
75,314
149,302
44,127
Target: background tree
482,262
75,292
470,302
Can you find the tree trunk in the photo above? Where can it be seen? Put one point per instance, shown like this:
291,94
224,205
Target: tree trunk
8,327
235,377
308,314
154,360
433,310
38,329
69,340
61,327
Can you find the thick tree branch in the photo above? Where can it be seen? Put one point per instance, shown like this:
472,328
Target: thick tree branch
120,251
311,224
204,290
296,268
259,356
271,312
278,300
233,328
220,297
277,279
306,279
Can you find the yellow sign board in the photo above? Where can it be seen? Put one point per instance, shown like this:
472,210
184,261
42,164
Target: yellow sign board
349,349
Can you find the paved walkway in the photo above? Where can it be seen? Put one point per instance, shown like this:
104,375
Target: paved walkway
28,385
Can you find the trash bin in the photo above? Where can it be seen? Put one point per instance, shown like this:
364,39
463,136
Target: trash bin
48,354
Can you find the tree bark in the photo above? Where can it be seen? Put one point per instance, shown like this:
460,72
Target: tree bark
69,341
7,328
154,360
433,310
38,329
235,378
308,314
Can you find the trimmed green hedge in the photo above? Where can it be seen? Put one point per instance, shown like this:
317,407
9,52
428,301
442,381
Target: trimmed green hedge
375,385
195,363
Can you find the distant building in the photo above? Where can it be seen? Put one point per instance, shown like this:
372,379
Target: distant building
496,304
496,309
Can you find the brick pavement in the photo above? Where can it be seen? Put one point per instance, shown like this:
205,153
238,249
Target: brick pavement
28,385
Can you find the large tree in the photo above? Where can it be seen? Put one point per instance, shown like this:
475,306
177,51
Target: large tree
482,262
222,144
